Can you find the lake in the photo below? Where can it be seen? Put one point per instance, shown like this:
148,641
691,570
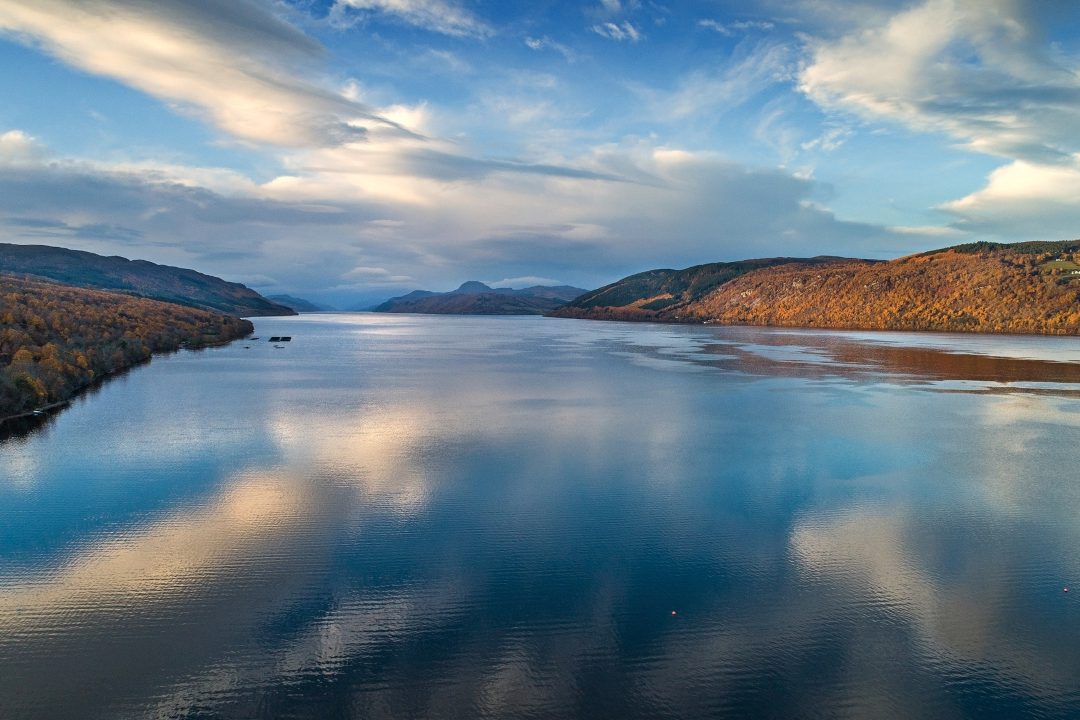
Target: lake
399,516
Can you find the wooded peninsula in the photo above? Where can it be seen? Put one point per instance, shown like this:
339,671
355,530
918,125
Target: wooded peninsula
56,339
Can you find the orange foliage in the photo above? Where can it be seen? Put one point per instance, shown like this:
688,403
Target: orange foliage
993,291
56,339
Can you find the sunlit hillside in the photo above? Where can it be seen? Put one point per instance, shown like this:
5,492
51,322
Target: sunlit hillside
56,339
980,287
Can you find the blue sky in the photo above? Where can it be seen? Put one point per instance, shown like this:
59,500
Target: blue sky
350,149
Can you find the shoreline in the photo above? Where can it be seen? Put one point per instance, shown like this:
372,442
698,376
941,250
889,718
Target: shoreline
794,326
49,409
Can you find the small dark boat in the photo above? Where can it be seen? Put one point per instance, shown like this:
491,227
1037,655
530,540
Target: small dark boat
275,338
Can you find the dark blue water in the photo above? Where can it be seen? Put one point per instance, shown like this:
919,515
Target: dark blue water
404,516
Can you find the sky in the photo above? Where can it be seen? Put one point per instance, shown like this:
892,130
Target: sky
349,150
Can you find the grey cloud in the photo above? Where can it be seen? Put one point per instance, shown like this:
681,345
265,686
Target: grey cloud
709,210
44,228
445,166
108,231
35,223
180,225
68,191
586,233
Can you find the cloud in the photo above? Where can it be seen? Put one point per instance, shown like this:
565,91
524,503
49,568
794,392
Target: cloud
17,148
707,93
543,43
1023,200
831,139
46,230
978,72
971,69
438,16
738,26
234,64
374,276
346,221
89,207
522,282
624,31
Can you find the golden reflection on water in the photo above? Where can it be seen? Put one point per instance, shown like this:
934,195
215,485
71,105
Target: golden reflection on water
167,595
175,592
854,356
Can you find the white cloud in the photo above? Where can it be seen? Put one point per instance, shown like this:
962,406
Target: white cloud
624,31
738,26
1024,200
386,207
542,43
17,148
522,282
931,231
970,69
977,72
831,139
236,65
707,93
439,16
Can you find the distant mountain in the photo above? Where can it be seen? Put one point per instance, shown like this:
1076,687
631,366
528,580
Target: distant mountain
978,287
137,277
300,305
476,298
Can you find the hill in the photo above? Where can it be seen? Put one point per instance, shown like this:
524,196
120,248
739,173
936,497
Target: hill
979,287
300,305
136,277
57,339
659,294
476,298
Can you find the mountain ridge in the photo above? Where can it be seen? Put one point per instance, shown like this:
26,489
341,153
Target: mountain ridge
140,278
476,298
298,304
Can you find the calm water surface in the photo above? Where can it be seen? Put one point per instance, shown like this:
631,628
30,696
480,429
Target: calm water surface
405,516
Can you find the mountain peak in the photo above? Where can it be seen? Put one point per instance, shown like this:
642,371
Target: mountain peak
473,287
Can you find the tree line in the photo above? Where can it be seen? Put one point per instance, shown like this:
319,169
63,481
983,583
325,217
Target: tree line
57,339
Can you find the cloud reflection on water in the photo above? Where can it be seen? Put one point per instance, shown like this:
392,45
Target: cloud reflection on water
443,522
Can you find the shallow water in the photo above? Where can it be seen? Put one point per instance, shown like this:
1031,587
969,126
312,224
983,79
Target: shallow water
407,516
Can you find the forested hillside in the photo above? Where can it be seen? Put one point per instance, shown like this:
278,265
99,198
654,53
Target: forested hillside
980,287
656,294
56,339
137,277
